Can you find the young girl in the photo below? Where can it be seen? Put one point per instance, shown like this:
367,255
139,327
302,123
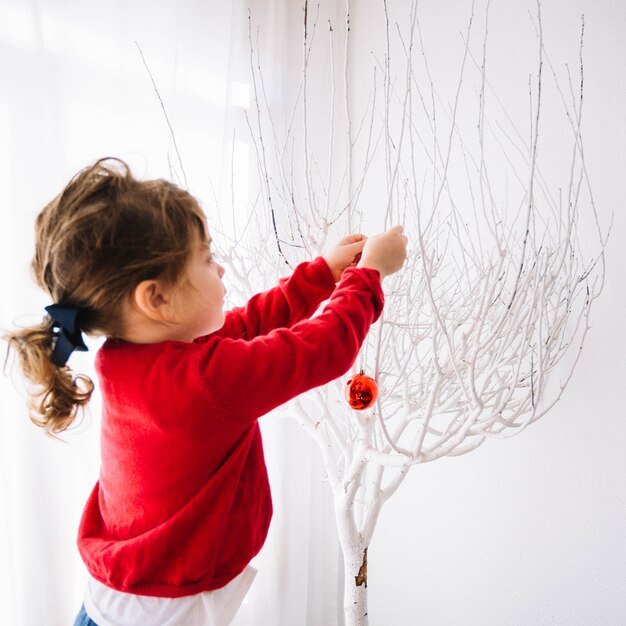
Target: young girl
183,502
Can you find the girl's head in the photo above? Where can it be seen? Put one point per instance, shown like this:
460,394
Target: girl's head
95,243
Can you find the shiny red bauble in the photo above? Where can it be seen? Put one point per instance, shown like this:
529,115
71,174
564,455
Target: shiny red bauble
361,391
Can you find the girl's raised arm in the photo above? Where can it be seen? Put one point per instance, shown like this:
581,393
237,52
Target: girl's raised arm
250,378
295,298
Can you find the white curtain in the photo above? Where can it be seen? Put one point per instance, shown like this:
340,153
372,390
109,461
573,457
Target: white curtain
75,87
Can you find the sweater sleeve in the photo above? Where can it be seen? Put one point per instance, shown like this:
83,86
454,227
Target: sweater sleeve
250,378
294,298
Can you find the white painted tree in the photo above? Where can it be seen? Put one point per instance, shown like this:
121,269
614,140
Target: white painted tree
496,292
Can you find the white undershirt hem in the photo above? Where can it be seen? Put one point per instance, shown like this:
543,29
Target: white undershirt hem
108,607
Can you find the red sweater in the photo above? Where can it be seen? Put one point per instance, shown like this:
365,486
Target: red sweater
183,500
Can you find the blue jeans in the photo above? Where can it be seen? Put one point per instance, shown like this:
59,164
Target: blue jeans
82,619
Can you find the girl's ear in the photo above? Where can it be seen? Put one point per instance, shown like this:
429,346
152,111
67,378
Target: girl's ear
152,300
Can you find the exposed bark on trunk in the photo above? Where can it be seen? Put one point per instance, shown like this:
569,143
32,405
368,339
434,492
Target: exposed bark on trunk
355,584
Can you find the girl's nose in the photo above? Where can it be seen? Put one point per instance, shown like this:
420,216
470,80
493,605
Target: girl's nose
220,270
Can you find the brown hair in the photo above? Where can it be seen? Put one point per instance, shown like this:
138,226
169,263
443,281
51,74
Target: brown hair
97,240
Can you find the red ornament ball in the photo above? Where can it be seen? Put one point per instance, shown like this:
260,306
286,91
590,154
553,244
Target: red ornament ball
361,391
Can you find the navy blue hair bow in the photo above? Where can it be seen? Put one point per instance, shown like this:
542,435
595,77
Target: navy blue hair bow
67,331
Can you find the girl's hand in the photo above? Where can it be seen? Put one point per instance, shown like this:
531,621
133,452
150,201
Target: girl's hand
346,253
386,252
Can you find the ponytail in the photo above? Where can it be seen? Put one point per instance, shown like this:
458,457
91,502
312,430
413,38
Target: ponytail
94,242
57,395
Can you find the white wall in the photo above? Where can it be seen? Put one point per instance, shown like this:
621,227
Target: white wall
529,530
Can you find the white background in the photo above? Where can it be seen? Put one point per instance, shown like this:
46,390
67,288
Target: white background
531,530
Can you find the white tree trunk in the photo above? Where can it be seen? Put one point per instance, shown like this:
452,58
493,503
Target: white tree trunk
355,584
354,542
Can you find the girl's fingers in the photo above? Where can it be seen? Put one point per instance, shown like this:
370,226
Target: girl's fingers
354,238
358,245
